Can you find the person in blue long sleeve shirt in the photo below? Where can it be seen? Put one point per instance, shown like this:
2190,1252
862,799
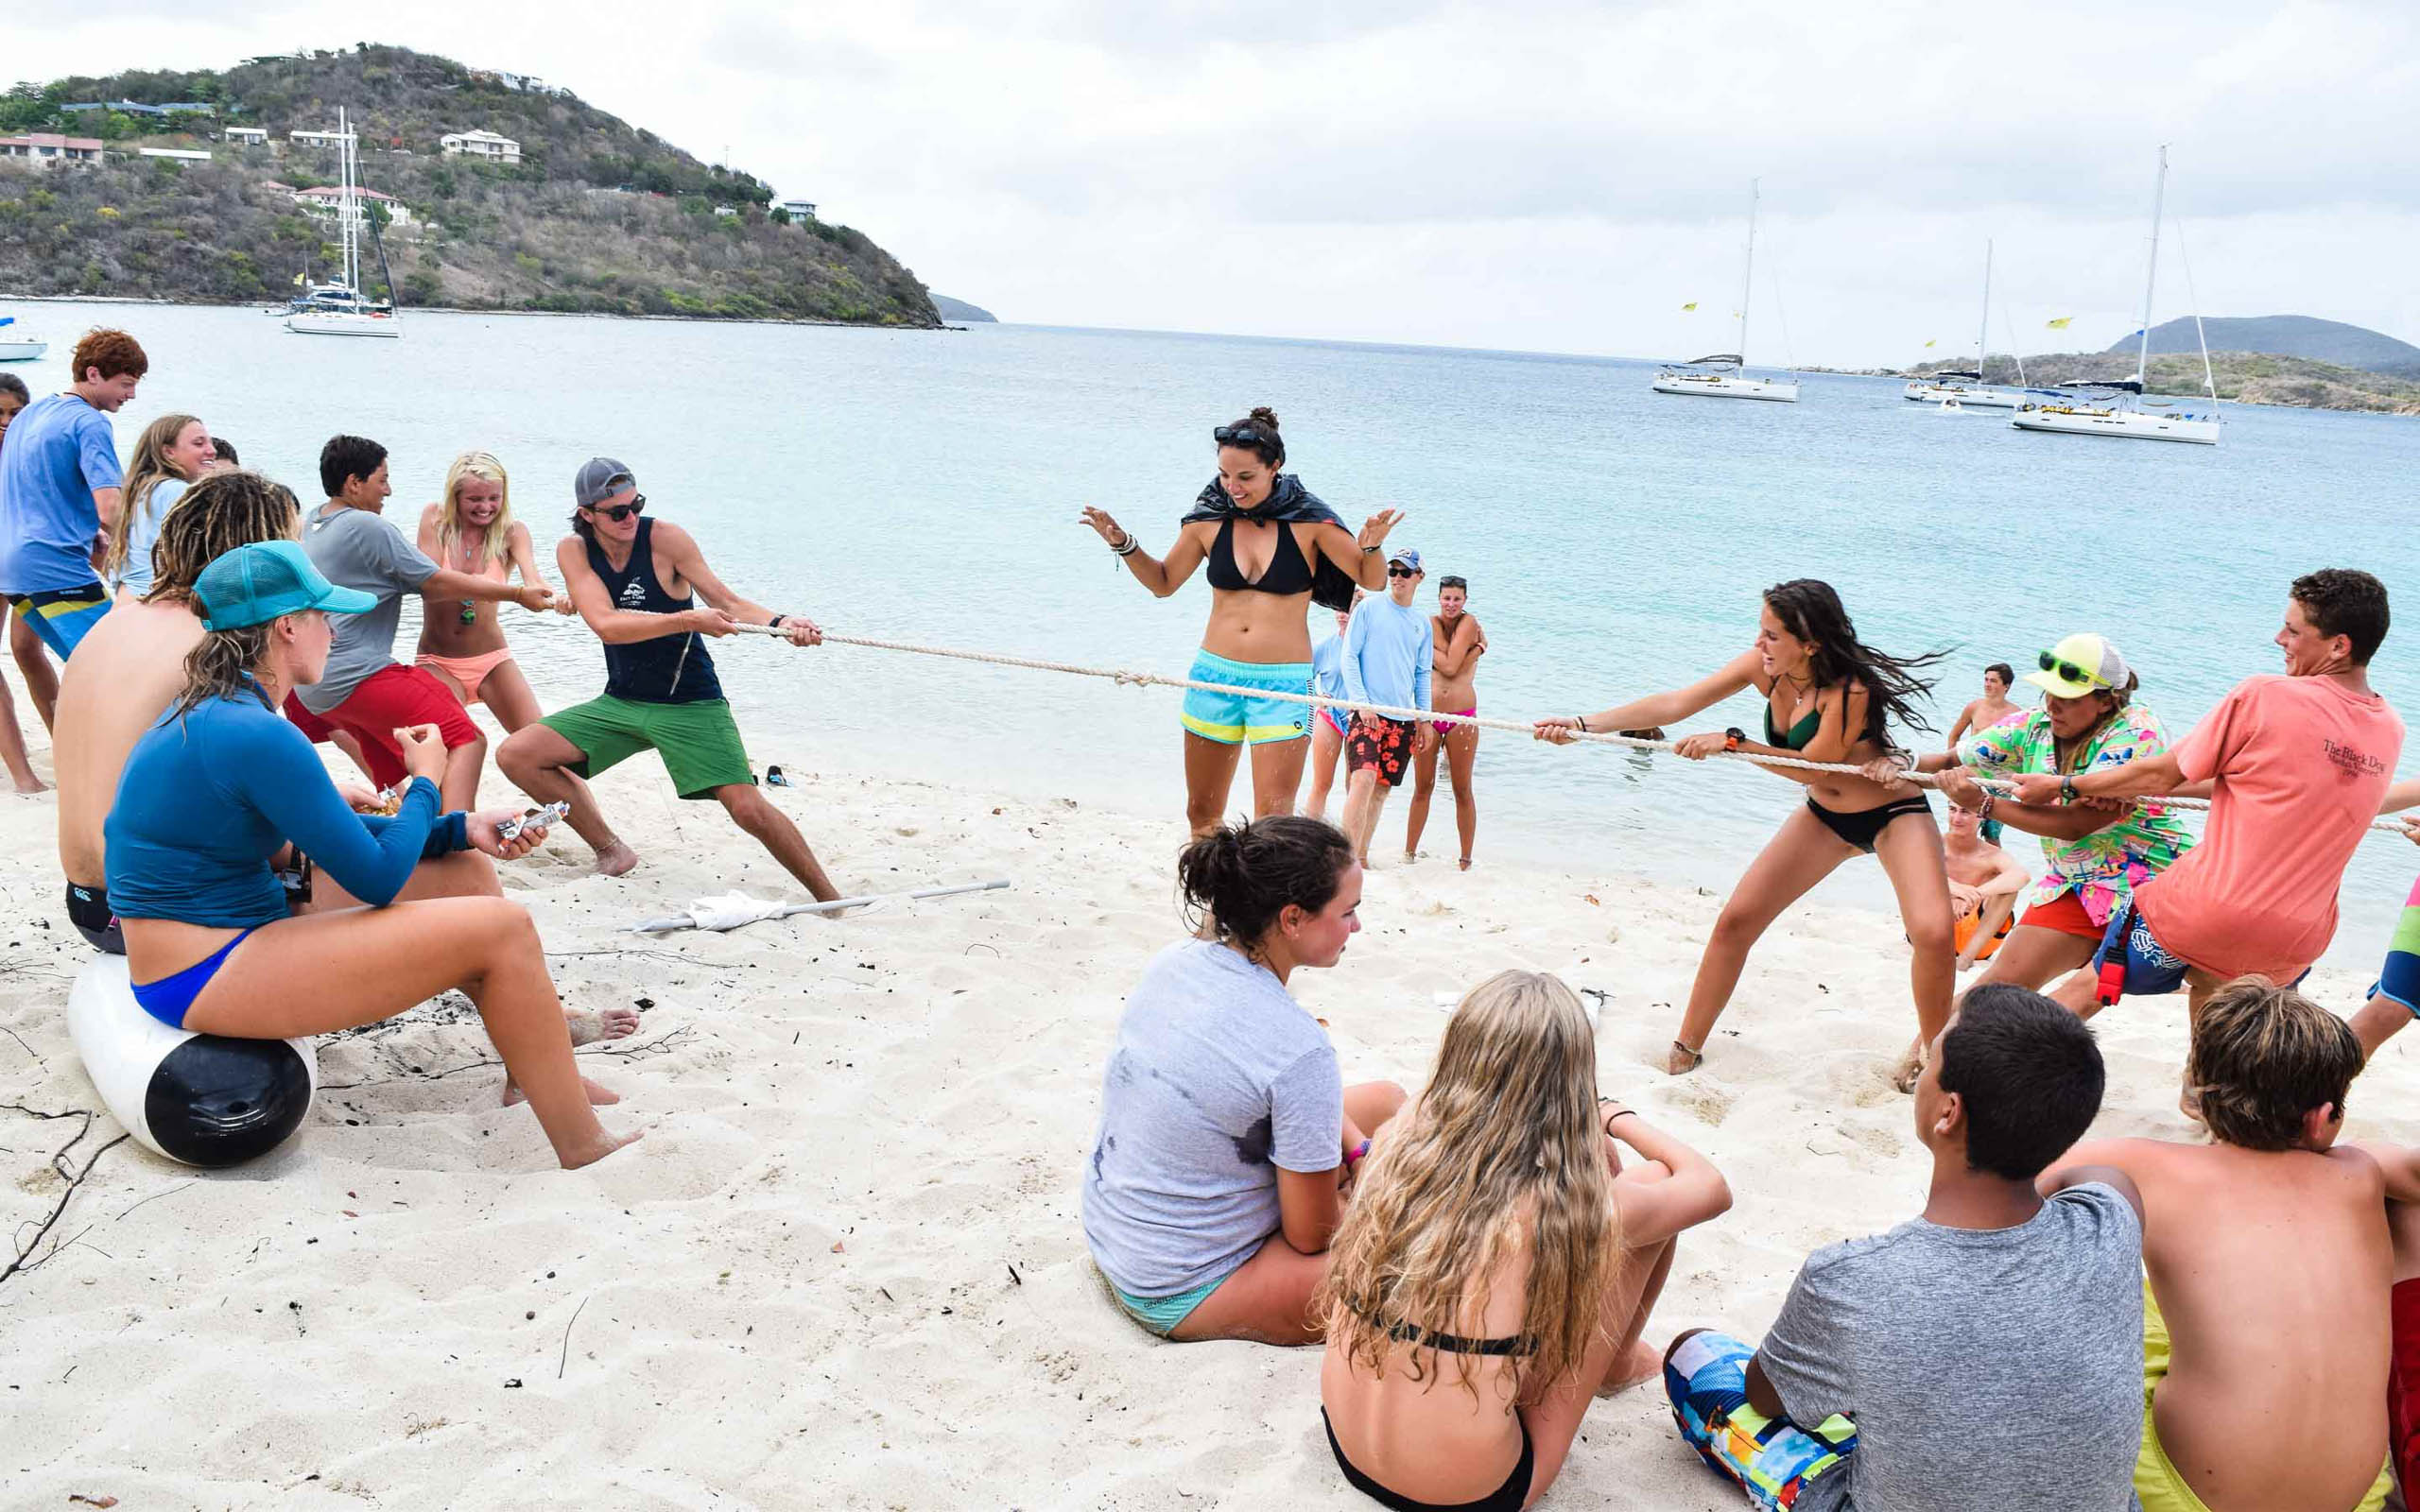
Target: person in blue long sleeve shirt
223,782
1386,662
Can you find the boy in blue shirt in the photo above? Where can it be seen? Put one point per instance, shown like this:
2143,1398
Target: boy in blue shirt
1388,652
59,492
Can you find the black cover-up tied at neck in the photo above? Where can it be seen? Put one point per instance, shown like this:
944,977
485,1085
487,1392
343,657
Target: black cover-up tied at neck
1289,503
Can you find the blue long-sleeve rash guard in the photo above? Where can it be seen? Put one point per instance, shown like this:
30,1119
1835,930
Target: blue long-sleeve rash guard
208,798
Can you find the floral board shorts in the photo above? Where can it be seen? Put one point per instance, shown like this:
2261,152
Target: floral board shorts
1380,744
1772,1459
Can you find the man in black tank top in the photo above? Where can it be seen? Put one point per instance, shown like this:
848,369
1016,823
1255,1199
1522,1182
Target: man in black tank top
636,581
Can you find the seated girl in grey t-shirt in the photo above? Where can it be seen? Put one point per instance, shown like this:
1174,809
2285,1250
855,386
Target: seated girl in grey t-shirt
1226,1131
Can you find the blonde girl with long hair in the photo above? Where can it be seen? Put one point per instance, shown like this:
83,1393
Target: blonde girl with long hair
472,530
173,454
1498,1261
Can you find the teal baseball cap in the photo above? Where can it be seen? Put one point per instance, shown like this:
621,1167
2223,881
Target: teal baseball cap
254,584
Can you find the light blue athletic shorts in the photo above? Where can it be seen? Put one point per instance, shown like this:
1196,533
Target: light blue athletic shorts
1235,720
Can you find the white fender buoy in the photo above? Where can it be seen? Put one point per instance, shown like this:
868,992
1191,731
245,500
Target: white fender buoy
204,1099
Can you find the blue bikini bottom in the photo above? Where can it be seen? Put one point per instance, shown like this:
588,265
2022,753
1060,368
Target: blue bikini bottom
168,999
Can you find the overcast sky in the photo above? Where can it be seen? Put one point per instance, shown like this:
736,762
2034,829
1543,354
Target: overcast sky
1558,177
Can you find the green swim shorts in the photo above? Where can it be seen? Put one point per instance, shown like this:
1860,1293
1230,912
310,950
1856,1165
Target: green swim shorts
700,741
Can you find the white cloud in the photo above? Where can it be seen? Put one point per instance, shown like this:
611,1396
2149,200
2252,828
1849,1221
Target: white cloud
1561,176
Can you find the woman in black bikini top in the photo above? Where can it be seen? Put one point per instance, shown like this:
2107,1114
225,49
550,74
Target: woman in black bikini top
1828,697
1498,1263
1271,547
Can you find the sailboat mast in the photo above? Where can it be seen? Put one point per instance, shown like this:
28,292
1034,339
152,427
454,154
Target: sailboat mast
2150,275
1983,330
1748,269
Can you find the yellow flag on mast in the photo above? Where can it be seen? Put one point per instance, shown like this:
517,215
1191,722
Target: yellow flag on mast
2062,322
1928,345
1692,305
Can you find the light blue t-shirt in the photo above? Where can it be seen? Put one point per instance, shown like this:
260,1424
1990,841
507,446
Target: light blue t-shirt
1387,653
143,533
1219,1080
59,451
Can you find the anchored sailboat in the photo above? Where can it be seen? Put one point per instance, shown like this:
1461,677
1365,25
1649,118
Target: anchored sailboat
1722,375
338,308
2123,415
1968,388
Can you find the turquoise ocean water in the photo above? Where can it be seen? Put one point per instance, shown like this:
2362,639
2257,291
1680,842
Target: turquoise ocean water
925,486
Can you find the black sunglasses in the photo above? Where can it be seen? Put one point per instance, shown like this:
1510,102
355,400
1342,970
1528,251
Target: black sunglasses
621,511
2069,672
1240,436
1400,571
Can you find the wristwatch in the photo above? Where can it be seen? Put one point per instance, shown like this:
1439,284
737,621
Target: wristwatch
1734,738
2068,790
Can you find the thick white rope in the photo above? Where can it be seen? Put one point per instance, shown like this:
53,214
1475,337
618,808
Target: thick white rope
1998,787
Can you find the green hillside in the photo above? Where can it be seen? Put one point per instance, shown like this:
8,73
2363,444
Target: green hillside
2287,336
599,215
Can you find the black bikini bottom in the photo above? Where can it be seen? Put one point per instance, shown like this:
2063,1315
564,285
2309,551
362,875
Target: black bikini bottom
1505,1498
1860,828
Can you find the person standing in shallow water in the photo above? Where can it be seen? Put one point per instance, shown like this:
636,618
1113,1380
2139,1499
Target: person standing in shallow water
1271,547
1828,697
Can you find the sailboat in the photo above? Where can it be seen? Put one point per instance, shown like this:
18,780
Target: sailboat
1966,391
2124,415
1722,375
17,347
338,308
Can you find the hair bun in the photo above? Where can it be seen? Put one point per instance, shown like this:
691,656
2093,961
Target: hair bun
1262,415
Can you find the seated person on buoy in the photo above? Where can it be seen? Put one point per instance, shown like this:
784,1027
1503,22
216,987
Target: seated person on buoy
222,783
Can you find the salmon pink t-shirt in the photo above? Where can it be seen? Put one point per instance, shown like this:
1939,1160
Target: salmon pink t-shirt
2302,765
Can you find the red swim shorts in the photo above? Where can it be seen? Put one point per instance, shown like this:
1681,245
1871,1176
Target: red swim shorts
390,698
2066,915
1380,744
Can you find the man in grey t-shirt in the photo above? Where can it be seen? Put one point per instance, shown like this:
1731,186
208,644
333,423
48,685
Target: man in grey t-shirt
363,693
1988,1354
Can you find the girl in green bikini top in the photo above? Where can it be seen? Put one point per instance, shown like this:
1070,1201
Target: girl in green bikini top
1838,695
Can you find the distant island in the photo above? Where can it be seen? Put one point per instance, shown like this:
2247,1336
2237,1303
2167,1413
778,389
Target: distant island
490,190
2277,359
959,310
2287,336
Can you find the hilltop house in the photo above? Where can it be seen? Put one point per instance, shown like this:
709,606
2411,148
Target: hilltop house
325,200
49,149
799,209
483,145
316,139
248,136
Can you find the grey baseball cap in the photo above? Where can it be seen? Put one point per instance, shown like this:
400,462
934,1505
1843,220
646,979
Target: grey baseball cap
599,479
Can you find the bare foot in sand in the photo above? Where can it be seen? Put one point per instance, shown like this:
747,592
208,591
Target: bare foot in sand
1644,1363
1911,1067
36,786
609,1023
597,1096
611,862
1466,863
1681,1060
607,1145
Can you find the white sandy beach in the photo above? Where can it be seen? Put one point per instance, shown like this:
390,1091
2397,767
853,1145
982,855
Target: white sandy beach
844,1269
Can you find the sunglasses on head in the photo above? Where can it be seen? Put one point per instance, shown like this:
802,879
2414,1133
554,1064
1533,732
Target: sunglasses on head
620,512
1240,436
2069,672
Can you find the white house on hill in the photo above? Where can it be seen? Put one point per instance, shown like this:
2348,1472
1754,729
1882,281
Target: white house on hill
485,144
799,209
325,200
316,139
248,136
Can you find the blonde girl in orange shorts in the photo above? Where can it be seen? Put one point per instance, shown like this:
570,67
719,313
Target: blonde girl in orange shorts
472,530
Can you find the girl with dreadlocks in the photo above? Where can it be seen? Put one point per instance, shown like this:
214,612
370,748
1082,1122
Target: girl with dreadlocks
1828,697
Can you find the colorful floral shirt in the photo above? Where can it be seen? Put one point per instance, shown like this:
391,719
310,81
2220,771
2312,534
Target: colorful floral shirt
2104,866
